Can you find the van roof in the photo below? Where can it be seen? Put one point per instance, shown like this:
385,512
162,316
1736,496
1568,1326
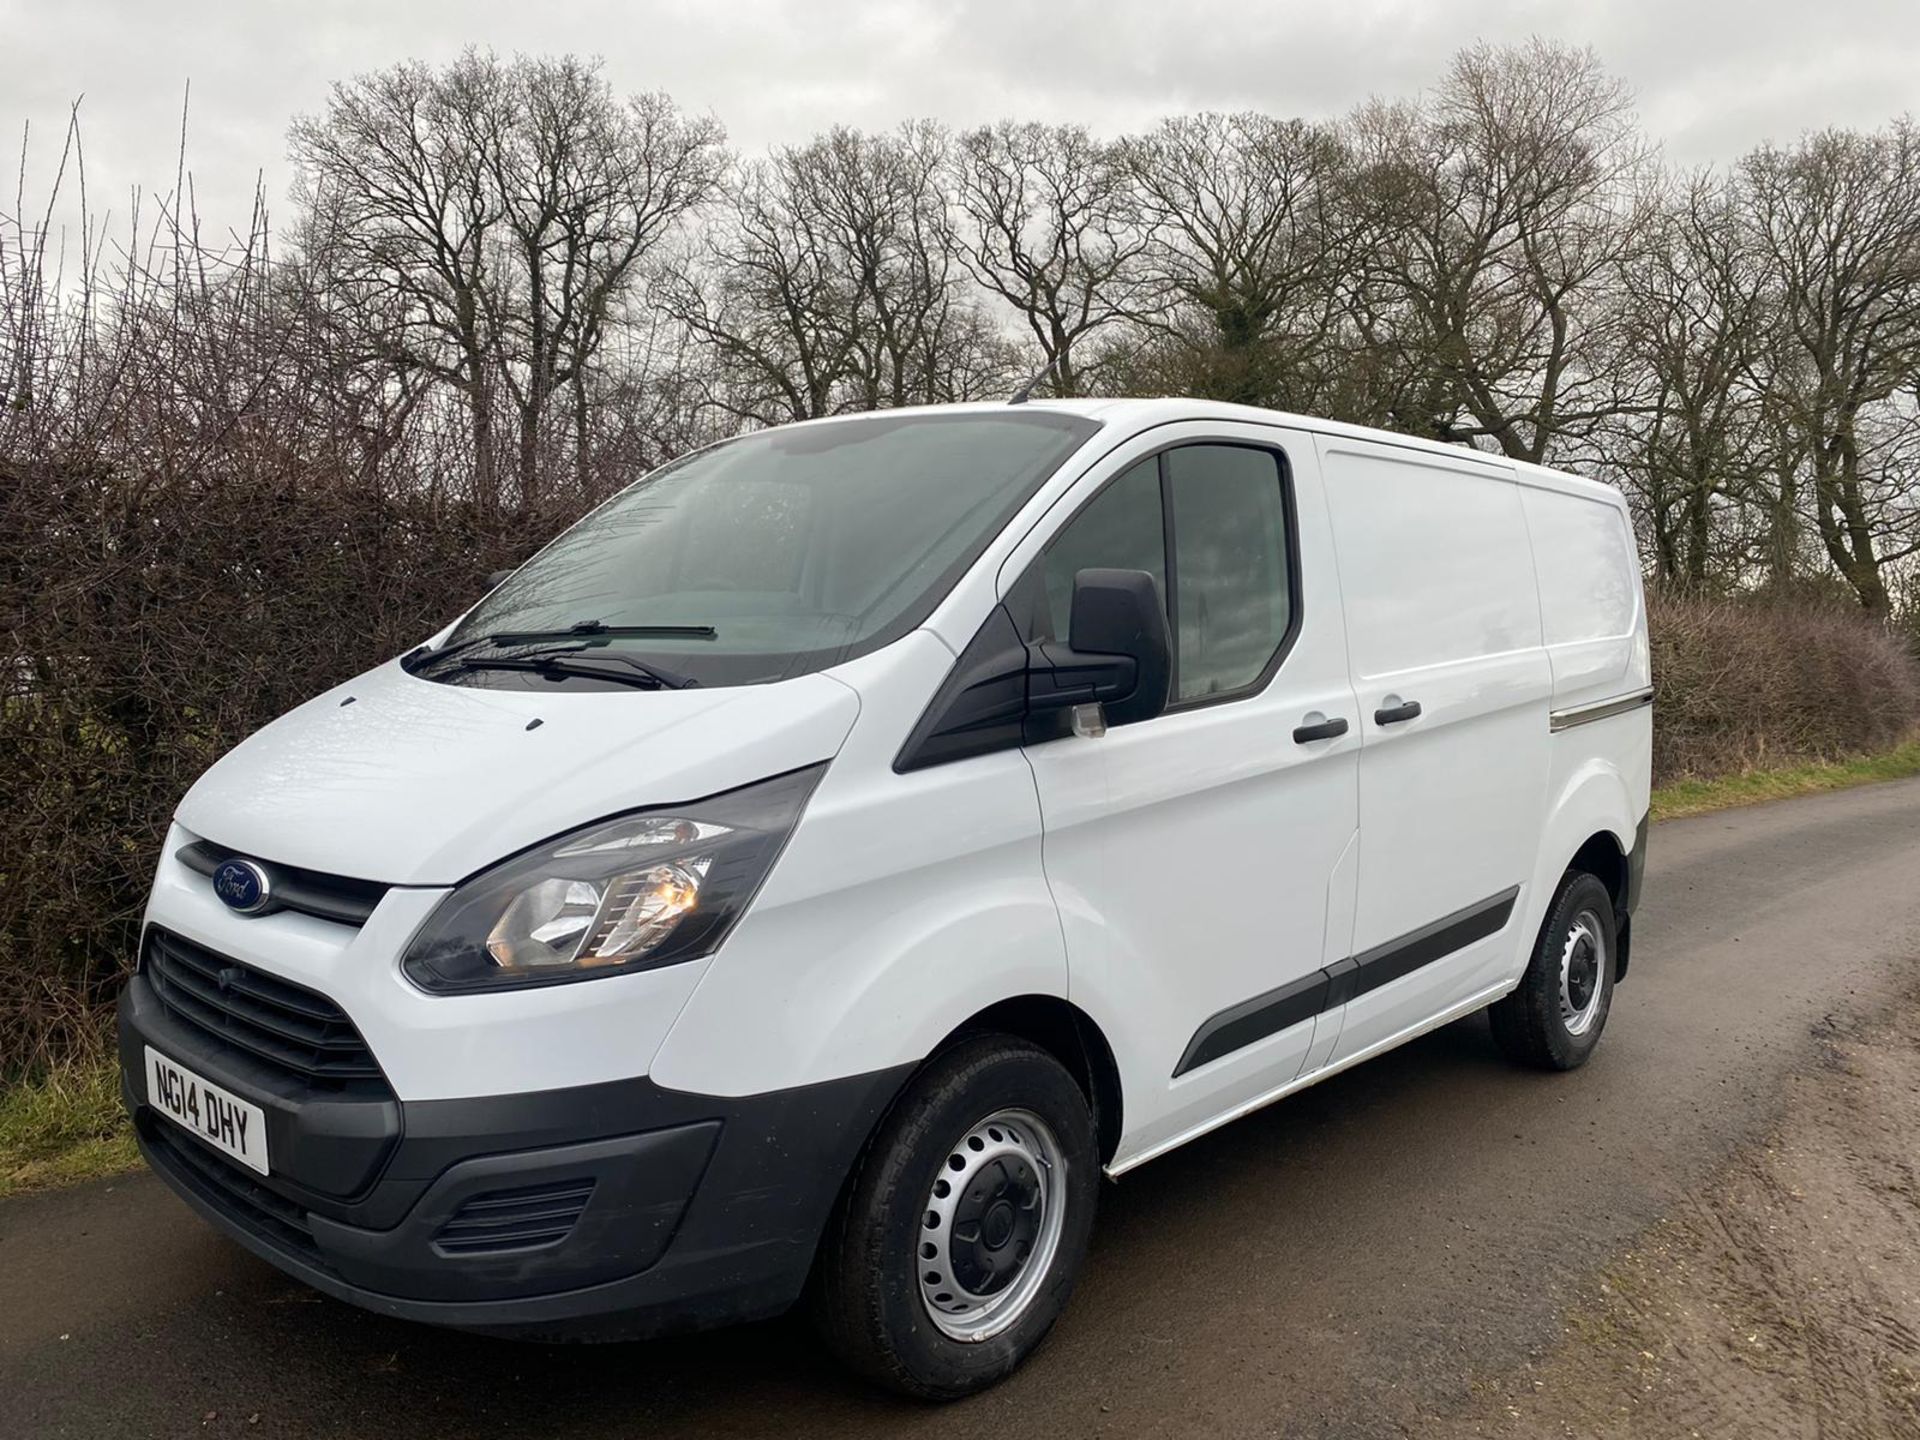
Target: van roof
1136,414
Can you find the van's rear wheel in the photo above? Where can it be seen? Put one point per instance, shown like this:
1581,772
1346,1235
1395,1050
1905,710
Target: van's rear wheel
959,1238
1553,1019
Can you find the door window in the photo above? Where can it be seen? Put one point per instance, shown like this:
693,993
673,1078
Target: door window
1231,600
1226,575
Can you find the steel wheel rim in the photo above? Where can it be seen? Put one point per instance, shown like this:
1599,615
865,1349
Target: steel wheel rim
1583,962
991,1225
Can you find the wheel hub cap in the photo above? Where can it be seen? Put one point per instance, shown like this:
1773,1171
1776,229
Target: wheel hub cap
1580,977
995,1224
1583,962
991,1225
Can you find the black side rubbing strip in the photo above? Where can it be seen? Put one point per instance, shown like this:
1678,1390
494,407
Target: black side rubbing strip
1255,1019
1241,1025
1386,963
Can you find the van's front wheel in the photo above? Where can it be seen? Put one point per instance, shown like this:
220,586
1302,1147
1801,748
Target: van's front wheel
959,1238
1554,1017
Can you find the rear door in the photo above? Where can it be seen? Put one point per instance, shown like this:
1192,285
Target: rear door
1443,627
1193,856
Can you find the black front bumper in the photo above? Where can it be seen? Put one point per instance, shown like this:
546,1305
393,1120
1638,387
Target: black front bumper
604,1211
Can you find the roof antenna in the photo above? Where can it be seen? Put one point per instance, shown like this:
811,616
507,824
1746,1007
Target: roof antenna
1019,397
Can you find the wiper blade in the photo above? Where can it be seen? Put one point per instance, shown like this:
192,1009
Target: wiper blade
621,669
593,629
421,656
587,631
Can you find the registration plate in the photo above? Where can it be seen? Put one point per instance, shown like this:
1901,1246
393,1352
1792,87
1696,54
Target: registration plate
217,1116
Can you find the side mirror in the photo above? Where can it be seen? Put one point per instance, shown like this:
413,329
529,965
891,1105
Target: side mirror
493,580
1118,653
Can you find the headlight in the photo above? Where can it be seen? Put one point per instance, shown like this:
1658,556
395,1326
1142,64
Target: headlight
619,895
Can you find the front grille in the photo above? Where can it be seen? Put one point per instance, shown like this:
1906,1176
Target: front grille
269,1019
514,1219
232,1191
339,898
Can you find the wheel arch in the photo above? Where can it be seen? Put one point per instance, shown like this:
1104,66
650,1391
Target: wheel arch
1066,1032
1592,828
1602,857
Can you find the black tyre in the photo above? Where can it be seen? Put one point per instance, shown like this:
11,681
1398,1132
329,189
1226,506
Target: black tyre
1554,1018
958,1240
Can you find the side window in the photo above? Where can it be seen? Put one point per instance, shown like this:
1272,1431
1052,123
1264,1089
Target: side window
1232,602
1226,583
1123,528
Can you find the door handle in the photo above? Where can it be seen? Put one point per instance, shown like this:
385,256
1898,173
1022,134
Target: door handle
1394,714
1321,730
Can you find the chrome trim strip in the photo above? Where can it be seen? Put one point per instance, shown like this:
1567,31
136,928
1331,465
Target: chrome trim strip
1598,710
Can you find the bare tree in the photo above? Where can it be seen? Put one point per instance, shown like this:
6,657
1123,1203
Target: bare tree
1237,220
1838,217
483,220
1695,334
830,287
1500,211
590,185
1048,225
399,214
766,297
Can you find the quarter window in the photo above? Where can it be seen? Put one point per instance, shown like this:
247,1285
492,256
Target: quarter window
1209,523
1122,528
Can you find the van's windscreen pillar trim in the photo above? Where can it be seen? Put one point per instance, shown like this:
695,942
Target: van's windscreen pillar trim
1598,710
1239,1026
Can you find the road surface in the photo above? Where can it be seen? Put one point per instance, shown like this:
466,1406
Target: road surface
1339,1265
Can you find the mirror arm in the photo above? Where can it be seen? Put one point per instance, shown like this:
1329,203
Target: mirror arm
1059,678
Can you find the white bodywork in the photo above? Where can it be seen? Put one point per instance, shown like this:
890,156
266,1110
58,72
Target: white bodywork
1151,877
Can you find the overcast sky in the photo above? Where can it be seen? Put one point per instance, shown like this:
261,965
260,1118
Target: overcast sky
1714,77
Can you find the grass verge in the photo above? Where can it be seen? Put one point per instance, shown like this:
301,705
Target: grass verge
64,1127
1698,797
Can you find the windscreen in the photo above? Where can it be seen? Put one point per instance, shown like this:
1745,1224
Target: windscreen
788,550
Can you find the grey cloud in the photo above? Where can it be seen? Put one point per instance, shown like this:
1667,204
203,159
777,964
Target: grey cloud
1714,76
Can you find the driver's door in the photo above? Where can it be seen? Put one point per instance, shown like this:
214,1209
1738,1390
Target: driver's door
1202,861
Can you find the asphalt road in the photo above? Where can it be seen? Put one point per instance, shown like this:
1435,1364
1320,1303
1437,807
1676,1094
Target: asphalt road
1337,1265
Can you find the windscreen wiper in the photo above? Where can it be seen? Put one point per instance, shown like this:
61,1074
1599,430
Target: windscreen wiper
587,631
621,669
593,630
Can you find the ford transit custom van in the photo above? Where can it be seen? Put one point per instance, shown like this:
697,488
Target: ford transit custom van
812,873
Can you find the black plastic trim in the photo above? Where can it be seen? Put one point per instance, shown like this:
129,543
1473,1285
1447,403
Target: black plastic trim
1386,963
527,1217
270,1019
343,899
702,1209
1630,901
1323,730
328,1144
1637,864
981,706
1241,1025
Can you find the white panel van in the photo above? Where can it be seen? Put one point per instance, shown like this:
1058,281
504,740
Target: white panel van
812,872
